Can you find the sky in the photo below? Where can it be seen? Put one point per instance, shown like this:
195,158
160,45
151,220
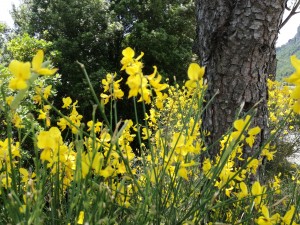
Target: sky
289,30
5,7
286,33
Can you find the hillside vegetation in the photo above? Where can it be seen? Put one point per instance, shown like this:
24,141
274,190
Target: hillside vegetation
284,67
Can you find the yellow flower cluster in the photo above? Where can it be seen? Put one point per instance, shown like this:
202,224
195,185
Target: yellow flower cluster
295,80
172,156
112,87
9,154
280,106
186,144
266,219
22,71
195,74
59,157
137,82
74,118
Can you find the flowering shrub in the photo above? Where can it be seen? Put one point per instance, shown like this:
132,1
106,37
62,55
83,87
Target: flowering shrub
95,177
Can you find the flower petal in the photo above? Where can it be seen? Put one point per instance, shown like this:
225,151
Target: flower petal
37,60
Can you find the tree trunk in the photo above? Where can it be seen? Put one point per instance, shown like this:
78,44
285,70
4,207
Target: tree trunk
236,42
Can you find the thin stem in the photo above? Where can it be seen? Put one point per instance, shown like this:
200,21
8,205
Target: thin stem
94,94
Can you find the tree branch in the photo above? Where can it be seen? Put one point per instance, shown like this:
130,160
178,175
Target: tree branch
292,13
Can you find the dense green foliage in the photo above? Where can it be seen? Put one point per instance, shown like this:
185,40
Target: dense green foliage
93,32
284,68
81,30
23,47
166,30
3,35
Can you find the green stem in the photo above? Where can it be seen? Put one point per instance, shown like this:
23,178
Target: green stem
94,94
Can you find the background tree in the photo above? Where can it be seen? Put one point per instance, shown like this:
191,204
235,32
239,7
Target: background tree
79,30
293,7
236,42
165,30
4,31
23,47
94,32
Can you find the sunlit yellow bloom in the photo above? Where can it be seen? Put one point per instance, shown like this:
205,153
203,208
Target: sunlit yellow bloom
192,163
17,121
62,123
206,166
287,219
67,102
159,100
145,96
37,98
241,127
155,81
107,172
296,93
146,133
6,182
105,98
26,176
276,184
9,99
105,136
118,93
295,77
42,115
251,135
267,153
243,191
85,166
226,174
182,172
266,219
134,69
228,191
37,62
80,217
47,91
49,139
273,117
136,83
75,118
257,191
177,140
128,59
195,74
152,116
253,165
107,82
5,158
21,72
94,126
112,87
296,107
128,54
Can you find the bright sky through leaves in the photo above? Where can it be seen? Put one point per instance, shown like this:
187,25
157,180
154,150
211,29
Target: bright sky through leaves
5,7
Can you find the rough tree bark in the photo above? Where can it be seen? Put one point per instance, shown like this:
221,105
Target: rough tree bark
236,42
